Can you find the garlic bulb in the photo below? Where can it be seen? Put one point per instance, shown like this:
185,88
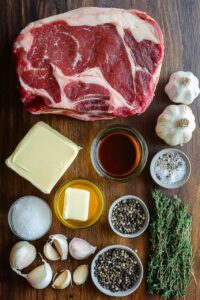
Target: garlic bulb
40,277
62,280
80,275
176,124
183,87
56,248
22,255
80,249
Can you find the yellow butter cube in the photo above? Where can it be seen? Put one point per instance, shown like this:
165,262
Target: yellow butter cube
76,204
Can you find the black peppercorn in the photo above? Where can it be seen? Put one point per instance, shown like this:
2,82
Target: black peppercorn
117,270
128,216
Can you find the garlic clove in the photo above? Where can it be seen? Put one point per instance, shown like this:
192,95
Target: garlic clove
22,255
50,252
80,275
59,241
40,277
80,249
56,247
62,280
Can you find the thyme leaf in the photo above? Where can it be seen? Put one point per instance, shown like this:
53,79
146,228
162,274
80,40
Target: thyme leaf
171,258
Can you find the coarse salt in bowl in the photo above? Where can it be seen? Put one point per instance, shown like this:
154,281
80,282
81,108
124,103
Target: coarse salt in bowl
29,218
170,177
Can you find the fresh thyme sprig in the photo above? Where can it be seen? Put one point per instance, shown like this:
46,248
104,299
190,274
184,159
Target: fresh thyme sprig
171,258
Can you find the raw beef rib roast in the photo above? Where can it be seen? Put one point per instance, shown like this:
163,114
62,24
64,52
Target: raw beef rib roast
90,63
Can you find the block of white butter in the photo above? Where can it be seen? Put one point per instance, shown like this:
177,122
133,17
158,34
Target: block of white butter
43,156
76,204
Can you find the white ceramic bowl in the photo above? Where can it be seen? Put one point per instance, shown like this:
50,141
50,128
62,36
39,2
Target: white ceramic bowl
177,184
146,211
106,291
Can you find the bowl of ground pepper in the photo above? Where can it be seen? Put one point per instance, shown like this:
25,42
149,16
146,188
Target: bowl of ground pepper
117,271
128,216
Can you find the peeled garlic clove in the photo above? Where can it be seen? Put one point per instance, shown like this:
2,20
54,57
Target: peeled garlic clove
80,275
80,249
62,280
40,277
59,241
22,255
50,252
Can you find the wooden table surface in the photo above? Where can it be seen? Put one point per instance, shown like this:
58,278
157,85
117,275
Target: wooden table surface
180,22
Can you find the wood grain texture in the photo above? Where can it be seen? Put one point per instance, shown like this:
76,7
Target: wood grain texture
179,21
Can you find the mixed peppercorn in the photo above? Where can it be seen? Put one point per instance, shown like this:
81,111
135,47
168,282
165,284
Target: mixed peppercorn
128,216
117,270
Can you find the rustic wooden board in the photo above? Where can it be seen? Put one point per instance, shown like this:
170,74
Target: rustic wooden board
179,21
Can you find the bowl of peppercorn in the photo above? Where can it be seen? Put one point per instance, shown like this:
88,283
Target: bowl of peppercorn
128,216
117,271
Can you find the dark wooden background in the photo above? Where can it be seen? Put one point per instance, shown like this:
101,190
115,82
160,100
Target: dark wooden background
180,22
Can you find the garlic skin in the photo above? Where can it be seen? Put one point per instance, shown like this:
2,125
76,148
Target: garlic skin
183,87
56,248
22,255
80,249
62,280
80,275
40,277
176,124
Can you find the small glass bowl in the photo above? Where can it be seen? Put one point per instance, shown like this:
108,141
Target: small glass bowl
10,221
59,201
131,132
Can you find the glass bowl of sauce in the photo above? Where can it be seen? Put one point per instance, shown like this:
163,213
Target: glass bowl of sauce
96,205
119,153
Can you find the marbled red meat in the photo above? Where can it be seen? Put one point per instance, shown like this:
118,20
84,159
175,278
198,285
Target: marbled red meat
90,63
